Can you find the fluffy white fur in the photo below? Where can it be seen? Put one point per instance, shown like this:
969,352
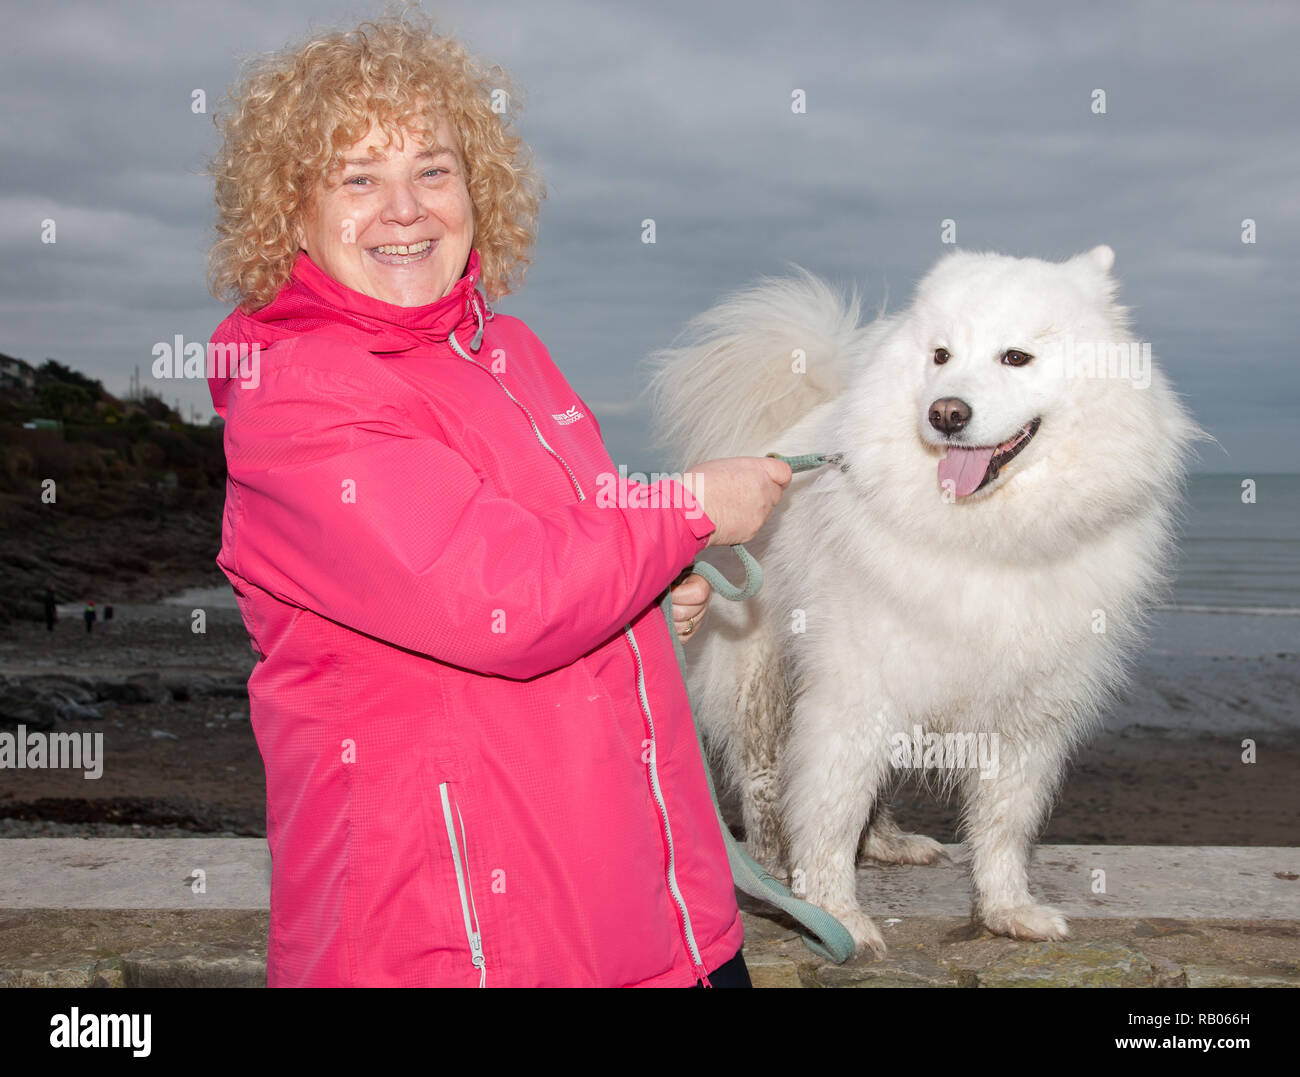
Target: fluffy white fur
888,603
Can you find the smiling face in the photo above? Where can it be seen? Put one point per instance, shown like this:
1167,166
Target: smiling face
397,222
1109,444
992,335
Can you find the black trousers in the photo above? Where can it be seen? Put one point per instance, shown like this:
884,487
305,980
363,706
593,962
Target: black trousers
731,973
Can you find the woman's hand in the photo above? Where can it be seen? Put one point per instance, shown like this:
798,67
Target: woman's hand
690,600
738,493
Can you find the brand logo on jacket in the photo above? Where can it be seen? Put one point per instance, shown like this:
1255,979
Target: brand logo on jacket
564,418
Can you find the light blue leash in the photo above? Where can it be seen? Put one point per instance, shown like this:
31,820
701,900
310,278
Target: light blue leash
829,938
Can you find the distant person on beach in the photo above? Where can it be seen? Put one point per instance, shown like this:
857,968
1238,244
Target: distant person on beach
481,768
108,614
51,608
90,616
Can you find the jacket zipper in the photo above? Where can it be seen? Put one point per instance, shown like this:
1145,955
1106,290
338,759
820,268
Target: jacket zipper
451,337
673,888
466,890
663,811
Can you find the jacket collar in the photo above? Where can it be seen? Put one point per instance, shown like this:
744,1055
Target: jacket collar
313,303
393,328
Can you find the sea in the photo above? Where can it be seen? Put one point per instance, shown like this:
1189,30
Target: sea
1239,551
1222,656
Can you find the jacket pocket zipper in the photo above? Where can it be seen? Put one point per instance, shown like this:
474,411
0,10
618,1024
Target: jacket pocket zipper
462,882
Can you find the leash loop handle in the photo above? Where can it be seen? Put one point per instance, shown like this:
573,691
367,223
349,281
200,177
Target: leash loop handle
723,586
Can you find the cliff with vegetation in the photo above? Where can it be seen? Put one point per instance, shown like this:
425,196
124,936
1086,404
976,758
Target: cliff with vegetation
105,499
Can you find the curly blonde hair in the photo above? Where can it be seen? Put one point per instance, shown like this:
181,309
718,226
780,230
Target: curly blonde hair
295,112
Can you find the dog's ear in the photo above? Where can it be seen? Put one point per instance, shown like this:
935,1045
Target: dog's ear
1093,269
1101,258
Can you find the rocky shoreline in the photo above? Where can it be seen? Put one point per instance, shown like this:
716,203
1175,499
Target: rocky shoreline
180,758
171,706
132,556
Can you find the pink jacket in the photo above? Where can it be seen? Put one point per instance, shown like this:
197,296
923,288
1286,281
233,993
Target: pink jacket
480,760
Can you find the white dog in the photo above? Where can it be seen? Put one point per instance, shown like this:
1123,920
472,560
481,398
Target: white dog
962,596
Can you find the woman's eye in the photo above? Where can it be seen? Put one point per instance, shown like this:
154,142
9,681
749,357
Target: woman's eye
357,181
941,356
431,170
1016,358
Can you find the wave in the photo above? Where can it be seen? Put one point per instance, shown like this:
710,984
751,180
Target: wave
1261,611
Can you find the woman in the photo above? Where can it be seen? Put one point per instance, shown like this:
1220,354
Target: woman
481,767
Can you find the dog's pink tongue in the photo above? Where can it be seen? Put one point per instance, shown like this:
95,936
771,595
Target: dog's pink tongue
965,469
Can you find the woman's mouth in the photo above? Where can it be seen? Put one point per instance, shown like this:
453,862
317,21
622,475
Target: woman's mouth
400,254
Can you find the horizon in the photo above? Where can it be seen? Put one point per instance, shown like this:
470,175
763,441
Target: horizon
205,421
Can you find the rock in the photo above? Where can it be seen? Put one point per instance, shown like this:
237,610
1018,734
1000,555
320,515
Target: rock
101,688
138,688
772,970
42,700
46,686
77,712
162,734
17,709
42,971
896,970
149,688
184,687
212,967
1214,976
1069,964
1168,973
232,687
111,972
1155,928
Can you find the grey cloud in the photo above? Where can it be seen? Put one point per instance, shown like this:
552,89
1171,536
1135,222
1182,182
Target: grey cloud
681,112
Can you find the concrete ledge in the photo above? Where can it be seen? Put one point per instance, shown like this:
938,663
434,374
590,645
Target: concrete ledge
1211,882
135,873
1214,882
126,913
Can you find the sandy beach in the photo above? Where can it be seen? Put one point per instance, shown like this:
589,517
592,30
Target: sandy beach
1167,769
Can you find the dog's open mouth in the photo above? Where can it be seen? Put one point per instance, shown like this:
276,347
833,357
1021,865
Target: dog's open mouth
971,469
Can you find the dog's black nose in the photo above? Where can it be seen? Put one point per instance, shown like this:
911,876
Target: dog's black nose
949,414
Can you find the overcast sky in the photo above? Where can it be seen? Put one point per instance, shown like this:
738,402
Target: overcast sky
681,112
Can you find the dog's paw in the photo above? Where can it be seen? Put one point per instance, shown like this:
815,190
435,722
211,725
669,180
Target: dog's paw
867,938
1038,923
900,848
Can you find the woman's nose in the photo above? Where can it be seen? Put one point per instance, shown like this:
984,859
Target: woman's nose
402,205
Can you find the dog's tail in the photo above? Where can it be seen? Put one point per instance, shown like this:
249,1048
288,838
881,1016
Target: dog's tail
750,367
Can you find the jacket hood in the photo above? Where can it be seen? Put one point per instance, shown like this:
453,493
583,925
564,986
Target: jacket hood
312,302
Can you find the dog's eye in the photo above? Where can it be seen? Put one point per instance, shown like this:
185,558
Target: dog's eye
941,356
1015,358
